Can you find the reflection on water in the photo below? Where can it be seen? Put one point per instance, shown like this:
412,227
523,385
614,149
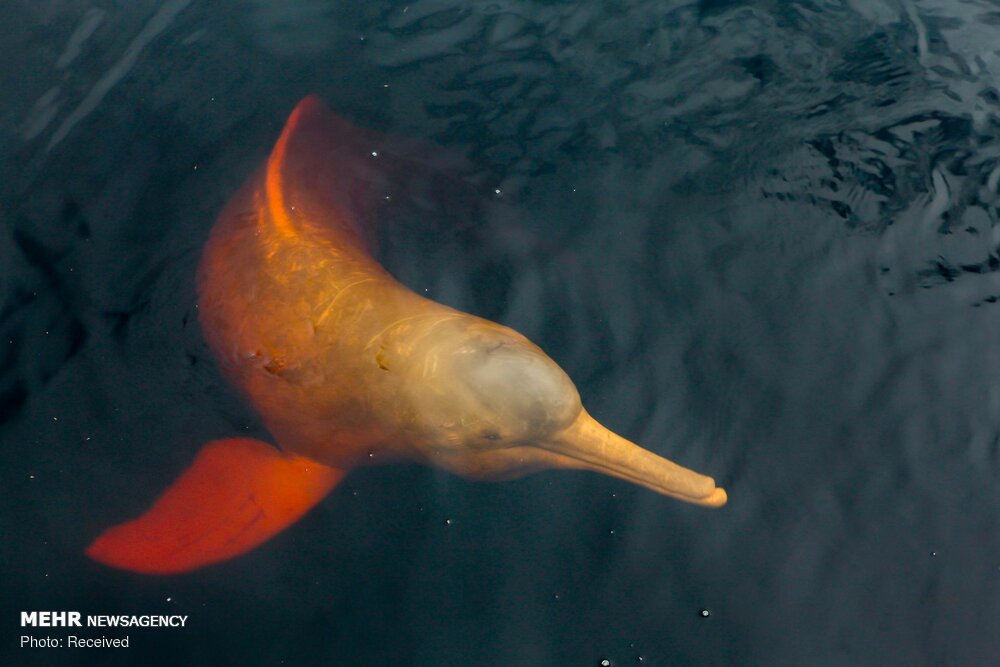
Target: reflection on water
760,236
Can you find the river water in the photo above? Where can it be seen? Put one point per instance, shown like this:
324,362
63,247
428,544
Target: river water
762,237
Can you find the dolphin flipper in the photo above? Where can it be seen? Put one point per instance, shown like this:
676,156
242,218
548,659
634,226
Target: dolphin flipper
237,494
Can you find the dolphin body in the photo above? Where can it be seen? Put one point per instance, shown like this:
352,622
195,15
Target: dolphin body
347,367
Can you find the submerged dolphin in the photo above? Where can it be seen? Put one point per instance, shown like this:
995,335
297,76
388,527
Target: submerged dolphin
346,366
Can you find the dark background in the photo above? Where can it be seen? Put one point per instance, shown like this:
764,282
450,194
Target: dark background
761,237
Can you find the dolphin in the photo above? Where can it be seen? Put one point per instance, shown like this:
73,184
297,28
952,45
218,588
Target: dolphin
347,367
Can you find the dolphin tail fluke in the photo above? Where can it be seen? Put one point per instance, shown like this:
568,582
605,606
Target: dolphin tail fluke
236,495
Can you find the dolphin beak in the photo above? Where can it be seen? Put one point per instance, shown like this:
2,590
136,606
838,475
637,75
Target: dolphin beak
586,445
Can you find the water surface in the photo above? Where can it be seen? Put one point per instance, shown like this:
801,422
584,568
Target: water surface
762,238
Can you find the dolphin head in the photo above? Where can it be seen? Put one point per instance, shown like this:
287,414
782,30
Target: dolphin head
485,402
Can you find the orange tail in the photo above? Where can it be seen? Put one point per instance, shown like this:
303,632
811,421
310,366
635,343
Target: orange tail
237,494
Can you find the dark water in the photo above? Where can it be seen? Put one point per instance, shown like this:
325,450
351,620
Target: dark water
762,237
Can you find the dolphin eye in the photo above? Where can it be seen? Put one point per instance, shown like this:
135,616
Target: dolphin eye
490,435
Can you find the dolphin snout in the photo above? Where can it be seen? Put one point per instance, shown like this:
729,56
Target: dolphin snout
587,445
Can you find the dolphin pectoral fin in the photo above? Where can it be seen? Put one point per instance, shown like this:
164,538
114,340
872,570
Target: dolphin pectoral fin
236,494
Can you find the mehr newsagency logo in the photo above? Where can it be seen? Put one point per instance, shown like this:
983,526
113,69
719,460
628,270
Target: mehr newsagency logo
74,619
